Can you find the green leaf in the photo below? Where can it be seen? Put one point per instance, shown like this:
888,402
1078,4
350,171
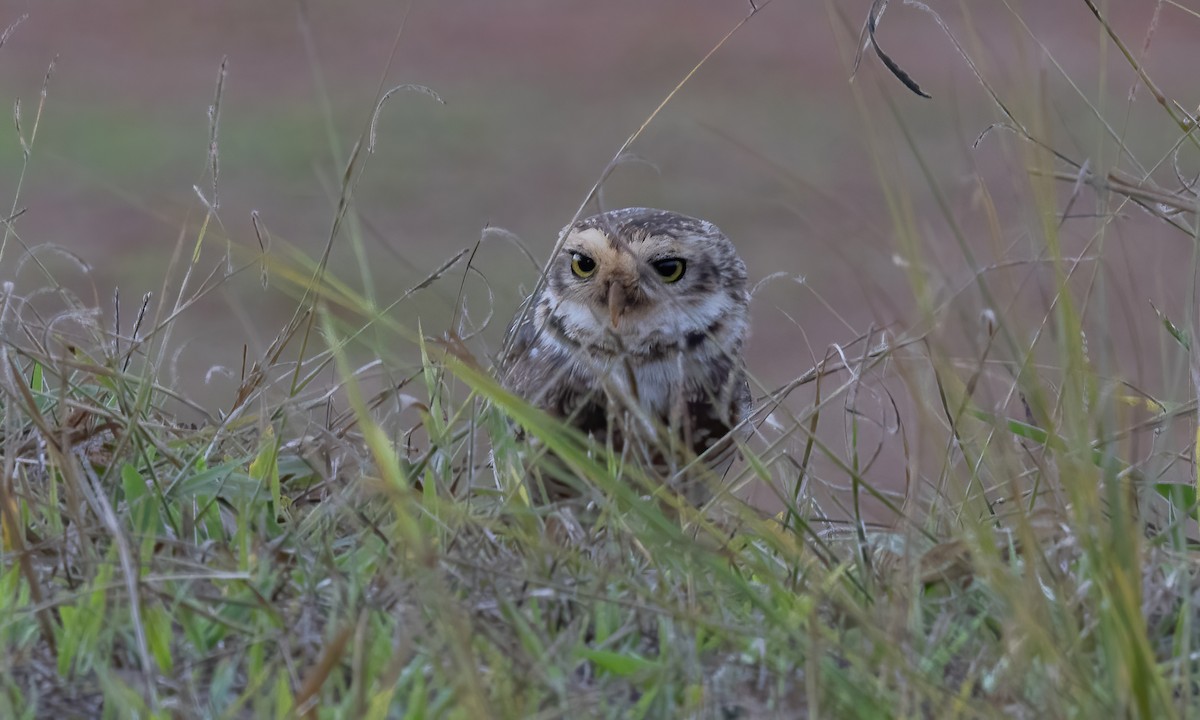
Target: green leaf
131,481
645,702
37,380
619,664
1181,496
283,696
265,468
120,699
418,701
158,635
296,471
224,481
143,512
1181,336
69,640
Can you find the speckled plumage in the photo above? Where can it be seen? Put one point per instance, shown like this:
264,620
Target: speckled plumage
626,353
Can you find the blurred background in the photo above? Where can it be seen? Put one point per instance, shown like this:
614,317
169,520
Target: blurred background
808,172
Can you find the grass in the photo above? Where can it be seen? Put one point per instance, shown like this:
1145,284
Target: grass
333,543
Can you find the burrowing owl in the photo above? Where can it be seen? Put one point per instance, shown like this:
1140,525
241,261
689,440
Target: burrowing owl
636,340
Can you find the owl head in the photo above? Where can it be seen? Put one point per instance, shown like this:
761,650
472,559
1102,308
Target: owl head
635,277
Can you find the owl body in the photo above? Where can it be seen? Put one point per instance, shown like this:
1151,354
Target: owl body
636,340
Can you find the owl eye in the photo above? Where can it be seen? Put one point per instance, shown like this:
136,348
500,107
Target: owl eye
582,265
670,269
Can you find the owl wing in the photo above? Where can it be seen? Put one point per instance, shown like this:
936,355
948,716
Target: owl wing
531,368
543,373
518,339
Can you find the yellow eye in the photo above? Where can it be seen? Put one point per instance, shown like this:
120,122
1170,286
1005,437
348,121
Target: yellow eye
670,269
582,265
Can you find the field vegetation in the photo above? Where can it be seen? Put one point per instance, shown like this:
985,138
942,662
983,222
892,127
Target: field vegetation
332,542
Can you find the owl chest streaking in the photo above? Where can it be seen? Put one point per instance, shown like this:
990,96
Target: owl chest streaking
636,340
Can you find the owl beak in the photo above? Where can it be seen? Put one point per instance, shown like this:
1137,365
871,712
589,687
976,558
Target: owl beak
616,302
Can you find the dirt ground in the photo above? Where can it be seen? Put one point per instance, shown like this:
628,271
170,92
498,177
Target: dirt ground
771,140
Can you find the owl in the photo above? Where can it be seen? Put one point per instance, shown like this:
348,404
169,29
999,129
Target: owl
636,340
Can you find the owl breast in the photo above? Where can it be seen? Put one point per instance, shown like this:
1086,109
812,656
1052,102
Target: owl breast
699,392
